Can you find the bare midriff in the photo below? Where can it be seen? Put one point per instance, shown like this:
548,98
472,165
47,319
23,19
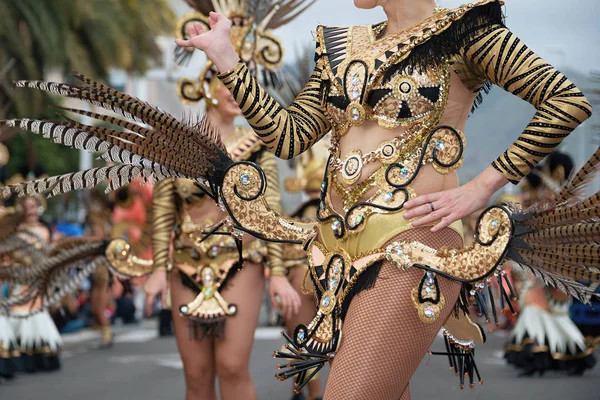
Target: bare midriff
369,135
206,213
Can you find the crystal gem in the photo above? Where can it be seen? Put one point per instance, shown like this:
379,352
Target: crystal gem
326,301
429,274
355,114
388,197
323,186
183,309
232,309
404,172
336,226
494,224
336,268
358,219
322,205
429,312
399,250
355,80
429,282
440,145
473,292
428,290
354,93
208,292
301,335
213,251
245,179
334,283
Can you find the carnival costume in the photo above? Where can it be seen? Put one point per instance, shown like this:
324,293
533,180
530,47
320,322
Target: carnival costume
544,337
9,347
401,80
206,256
207,253
39,275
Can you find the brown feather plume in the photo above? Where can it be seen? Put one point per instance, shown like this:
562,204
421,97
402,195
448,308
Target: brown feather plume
557,238
148,142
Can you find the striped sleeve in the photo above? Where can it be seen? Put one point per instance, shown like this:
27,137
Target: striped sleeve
286,132
502,58
163,220
268,163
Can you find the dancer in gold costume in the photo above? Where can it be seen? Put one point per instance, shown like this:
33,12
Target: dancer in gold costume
386,259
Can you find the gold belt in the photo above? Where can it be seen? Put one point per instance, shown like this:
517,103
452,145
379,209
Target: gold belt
379,229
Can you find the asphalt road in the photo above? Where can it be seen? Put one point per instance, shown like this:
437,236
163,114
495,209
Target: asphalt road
141,366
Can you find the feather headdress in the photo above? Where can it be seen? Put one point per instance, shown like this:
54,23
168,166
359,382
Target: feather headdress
252,22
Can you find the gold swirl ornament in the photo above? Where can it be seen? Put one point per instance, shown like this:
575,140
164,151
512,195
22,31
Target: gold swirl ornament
209,305
471,264
243,195
123,262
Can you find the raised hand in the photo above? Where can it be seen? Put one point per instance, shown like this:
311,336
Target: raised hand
216,42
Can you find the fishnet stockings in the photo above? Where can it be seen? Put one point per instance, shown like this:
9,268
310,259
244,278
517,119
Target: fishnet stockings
383,338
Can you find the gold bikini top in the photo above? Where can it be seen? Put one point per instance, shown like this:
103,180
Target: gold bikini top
360,91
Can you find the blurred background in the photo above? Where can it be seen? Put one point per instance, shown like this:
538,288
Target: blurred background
129,44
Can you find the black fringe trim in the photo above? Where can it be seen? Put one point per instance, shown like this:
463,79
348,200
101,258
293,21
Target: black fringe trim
531,361
39,362
198,330
215,328
462,362
451,41
9,366
365,281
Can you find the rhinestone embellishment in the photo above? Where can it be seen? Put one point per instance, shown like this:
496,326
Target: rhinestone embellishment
245,179
429,312
494,226
336,226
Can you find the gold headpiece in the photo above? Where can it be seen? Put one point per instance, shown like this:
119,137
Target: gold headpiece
252,22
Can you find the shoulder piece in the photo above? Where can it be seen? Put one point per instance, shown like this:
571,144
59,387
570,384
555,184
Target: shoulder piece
332,42
441,35
243,144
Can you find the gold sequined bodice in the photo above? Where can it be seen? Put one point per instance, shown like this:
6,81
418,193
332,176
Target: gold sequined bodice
365,88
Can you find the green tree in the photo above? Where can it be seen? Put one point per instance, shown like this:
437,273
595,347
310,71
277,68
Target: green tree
90,36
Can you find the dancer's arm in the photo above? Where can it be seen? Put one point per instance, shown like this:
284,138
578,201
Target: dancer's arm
163,220
286,132
497,55
279,288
